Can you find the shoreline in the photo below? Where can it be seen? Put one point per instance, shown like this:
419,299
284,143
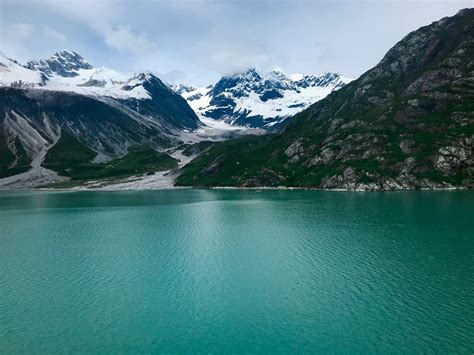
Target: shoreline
267,188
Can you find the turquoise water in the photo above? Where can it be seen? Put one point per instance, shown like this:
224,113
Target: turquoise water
237,271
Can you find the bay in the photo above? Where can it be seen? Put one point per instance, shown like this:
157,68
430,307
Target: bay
243,271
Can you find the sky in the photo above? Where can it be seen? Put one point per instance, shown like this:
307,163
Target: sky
198,41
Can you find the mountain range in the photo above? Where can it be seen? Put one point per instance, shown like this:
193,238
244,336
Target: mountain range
102,115
63,115
67,71
406,123
260,99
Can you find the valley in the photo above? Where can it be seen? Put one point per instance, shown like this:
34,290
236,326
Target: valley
407,123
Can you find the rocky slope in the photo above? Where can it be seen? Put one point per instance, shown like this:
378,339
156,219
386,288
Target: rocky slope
406,123
98,113
260,99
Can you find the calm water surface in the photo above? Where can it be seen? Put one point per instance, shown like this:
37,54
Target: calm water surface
236,271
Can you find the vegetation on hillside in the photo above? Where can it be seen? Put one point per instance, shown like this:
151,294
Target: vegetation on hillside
71,158
406,123
13,163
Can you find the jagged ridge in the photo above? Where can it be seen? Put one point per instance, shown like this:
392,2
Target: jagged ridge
260,99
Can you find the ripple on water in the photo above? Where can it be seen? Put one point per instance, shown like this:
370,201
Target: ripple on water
241,271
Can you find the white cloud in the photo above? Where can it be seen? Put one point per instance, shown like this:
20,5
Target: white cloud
105,17
123,38
233,60
173,76
20,31
14,38
18,38
53,34
207,38
87,11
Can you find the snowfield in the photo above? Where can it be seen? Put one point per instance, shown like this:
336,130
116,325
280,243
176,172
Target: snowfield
86,80
271,96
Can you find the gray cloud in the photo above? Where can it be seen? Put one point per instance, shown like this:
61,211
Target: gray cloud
173,77
122,37
54,34
230,58
203,39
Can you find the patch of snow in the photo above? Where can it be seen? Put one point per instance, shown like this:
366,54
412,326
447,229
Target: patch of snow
100,82
13,74
295,76
292,94
86,80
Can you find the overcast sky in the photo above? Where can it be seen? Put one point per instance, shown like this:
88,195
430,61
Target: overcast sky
197,41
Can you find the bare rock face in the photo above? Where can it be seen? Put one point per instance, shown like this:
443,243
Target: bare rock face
406,145
453,157
325,157
295,150
408,165
349,174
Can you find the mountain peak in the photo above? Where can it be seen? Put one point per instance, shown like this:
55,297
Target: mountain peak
464,12
66,52
253,72
70,60
250,73
64,63
258,98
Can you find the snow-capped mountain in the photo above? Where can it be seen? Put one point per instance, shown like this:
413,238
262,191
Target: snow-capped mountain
260,99
65,100
63,63
68,71
13,74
